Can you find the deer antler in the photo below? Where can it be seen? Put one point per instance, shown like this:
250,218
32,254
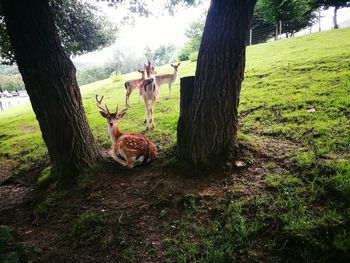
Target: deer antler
98,104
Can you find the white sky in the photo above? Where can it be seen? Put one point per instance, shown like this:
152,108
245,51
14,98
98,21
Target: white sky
152,31
166,29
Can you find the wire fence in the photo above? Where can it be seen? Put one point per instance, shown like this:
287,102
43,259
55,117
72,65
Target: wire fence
324,22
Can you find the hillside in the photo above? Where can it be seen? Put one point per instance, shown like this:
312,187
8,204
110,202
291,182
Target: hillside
291,201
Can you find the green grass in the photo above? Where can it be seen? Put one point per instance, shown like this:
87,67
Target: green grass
283,79
304,212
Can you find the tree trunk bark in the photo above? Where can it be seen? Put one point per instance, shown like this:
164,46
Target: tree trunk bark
210,126
335,23
49,77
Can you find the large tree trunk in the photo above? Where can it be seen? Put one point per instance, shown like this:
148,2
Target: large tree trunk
49,77
209,125
335,23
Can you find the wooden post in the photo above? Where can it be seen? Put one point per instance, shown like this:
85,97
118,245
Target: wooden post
183,124
319,21
280,27
276,33
250,37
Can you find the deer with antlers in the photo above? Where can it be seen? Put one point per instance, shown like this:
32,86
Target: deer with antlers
168,78
129,149
150,94
131,85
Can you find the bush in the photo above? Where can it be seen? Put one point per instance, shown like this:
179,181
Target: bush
11,251
194,56
116,78
87,229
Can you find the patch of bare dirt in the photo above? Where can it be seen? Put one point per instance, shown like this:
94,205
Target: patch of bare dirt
139,201
6,170
12,195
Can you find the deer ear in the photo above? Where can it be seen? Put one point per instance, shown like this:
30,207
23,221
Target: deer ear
172,65
104,114
178,64
121,114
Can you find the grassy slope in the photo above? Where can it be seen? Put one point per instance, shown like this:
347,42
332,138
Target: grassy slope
309,204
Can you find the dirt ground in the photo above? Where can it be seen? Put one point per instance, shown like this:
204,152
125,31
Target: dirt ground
135,201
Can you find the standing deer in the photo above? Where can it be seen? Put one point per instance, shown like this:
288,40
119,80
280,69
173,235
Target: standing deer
129,149
150,94
130,85
168,78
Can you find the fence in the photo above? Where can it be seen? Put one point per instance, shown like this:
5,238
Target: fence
324,23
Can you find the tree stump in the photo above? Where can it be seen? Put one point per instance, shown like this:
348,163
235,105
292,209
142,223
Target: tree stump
186,93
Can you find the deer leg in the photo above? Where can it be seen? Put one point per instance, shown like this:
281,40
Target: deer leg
135,161
127,103
169,91
147,114
140,94
119,160
152,112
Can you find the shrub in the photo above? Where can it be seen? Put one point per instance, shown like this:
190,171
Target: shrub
11,251
194,56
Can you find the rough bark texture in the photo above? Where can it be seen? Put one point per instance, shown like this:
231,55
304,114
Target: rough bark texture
49,77
210,124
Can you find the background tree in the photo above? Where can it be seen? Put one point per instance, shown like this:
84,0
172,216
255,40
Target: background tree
11,82
332,3
80,26
295,15
208,117
148,53
194,34
49,77
162,55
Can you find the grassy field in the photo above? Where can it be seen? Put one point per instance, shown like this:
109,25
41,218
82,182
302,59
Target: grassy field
303,210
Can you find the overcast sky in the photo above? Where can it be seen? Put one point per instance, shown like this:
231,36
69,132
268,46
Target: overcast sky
166,29
151,31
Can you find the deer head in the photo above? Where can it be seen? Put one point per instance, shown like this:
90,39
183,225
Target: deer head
112,118
150,70
175,66
142,73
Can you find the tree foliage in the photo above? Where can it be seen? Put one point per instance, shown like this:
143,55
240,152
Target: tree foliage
162,55
80,27
194,34
331,3
146,7
11,82
294,15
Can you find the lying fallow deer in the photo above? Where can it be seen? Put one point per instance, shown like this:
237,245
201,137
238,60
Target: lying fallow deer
129,149
130,85
168,78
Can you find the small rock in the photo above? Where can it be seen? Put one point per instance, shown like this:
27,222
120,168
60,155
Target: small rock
239,163
311,110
